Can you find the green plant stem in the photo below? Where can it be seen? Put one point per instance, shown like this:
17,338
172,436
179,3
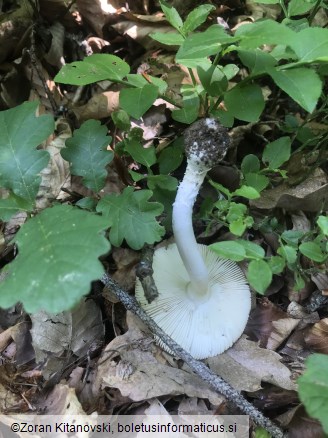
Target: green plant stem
191,73
216,104
283,7
216,59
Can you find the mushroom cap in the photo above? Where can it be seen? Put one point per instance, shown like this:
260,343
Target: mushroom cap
203,325
206,143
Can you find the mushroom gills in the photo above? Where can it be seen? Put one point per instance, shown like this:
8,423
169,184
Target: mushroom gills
204,325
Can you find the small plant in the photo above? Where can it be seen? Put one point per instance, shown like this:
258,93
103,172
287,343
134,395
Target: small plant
290,56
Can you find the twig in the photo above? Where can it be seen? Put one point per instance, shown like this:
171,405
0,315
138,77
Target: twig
199,368
145,272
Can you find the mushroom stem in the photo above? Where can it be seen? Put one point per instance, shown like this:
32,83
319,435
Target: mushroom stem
184,232
206,143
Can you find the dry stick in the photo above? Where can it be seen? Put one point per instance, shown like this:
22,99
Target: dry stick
145,272
199,368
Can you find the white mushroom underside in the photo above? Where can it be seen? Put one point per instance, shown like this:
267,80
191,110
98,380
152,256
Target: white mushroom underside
204,326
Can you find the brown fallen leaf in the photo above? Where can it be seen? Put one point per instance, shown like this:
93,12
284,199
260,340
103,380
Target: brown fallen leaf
317,337
299,424
125,260
129,364
270,325
246,365
99,107
5,338
61,400
56,338
310,195
56,175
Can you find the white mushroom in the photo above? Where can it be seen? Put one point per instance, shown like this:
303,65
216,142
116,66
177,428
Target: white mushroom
203,301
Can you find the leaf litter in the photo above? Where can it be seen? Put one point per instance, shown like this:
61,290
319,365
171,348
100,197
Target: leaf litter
131,373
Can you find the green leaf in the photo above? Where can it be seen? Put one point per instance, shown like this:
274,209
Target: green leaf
259,431
189,112
235,211
20,162
86,152
277,264
312,251
256,180
121,120
250,164
57,260
213,80
322,222
94,68
132,217
12,205
198,46
245,102
171,15
252,249
196,17
259,275
299,281
229,250
237,227
166,182
164,191
292,237
171,157
247,192
169,39
263,32
302,84
230,70
87,203
257,61
310,44
313,388
299,7
145,156
138,100
139,81
288,253
277,152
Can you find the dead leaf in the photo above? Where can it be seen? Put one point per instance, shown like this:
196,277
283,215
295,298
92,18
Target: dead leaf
5,338
299,424
125,260
98,107
321,280
96,13
56,337
246,365
317,337
193,406
272,397
62,400
139,375
310,195
56,175
140,32
270,325
13,25
55,55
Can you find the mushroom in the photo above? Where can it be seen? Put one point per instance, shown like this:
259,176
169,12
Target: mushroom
203,301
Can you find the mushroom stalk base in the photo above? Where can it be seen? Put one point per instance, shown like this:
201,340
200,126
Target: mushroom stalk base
183,229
